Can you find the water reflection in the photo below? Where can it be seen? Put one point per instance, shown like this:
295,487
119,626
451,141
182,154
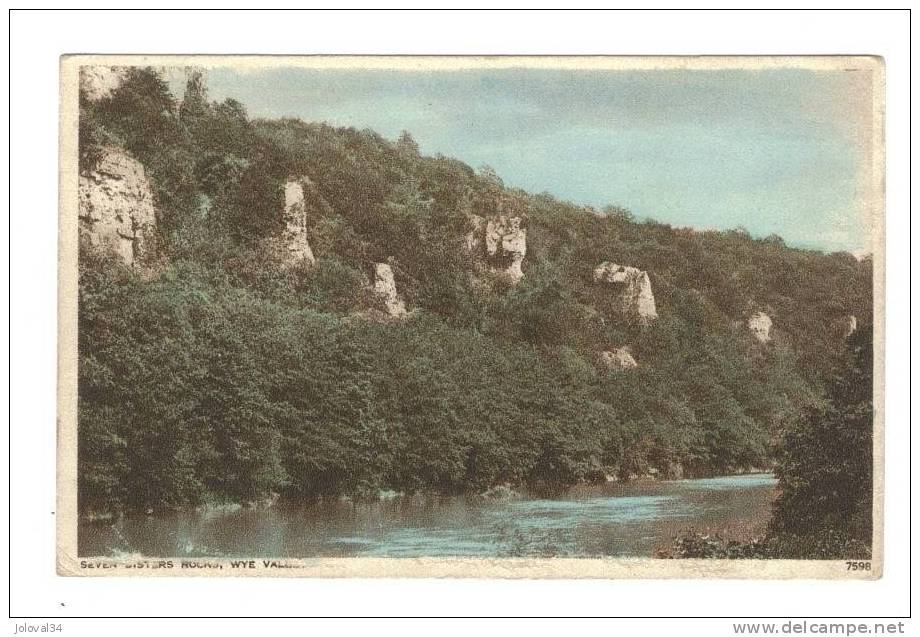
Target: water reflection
600,520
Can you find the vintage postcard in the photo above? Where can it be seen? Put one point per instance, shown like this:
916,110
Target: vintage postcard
523,317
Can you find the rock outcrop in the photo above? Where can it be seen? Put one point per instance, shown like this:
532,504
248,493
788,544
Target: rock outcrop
116,206
761,327
842,327
98,82
620,359
295,223
633,289
385,291
849,326
500,243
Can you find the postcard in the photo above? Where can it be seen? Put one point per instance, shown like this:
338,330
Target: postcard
514,317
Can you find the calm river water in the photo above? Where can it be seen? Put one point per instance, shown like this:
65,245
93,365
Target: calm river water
631,519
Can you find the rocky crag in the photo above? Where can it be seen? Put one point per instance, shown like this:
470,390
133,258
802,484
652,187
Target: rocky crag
294,238
98,82
761,327
632,289
387,296
619,359
499,245
116,206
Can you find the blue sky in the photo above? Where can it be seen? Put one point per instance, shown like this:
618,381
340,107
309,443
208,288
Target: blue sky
775,151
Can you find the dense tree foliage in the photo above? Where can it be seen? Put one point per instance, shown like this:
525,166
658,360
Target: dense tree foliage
217,375
825,467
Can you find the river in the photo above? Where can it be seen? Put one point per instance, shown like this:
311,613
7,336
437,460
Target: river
615,519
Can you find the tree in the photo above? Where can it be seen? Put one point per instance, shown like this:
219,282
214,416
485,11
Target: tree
825,467
141,115
406,144
195,102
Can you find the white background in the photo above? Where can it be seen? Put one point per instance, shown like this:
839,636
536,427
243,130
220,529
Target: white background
38,39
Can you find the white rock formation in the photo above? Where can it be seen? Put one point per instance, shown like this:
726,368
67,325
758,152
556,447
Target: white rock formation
850,325
620,359
385,291
98,82
842,327
633,288
760,326
295,220
500,242
116,205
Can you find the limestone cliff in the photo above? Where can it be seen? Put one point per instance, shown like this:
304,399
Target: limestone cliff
499,244
295,223
842,327
116,206
632,288
98,82
849,326
385,291
620,359
761,326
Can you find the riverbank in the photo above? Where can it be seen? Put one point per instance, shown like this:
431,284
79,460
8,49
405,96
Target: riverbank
504,491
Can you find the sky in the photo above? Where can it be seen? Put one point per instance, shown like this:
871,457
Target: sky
782,151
